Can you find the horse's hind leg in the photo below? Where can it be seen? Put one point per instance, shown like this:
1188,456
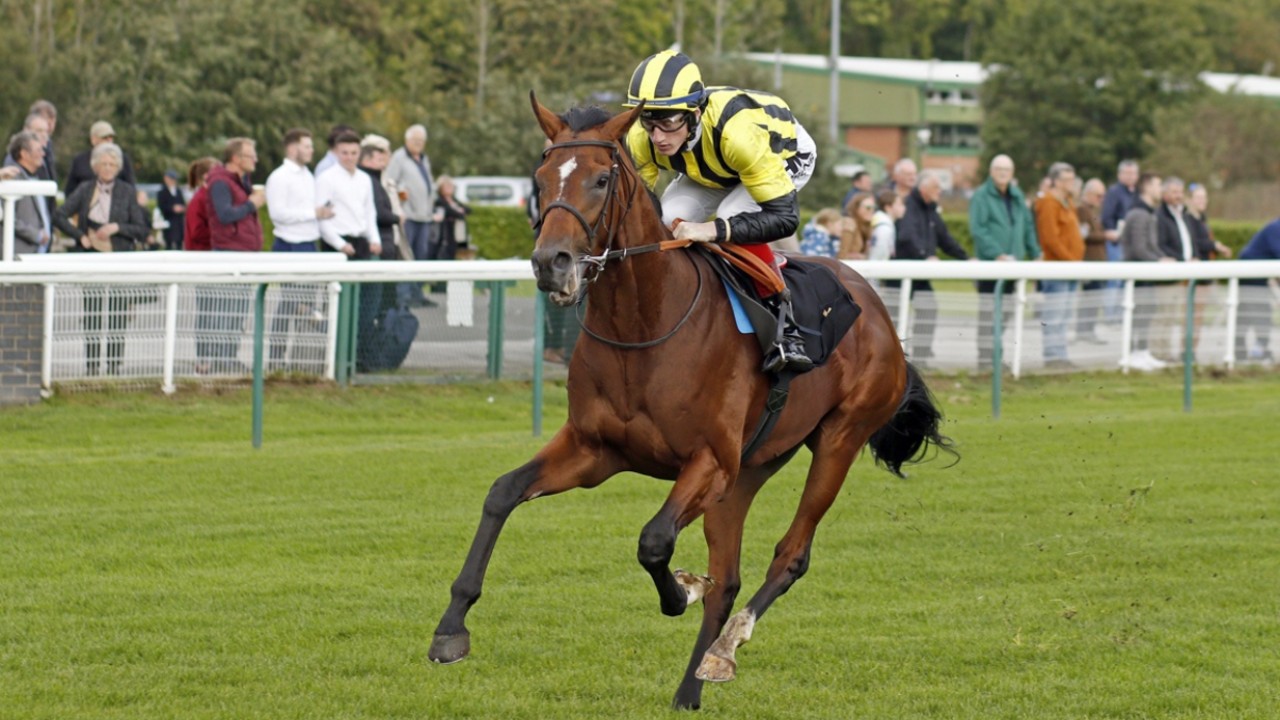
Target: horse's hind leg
700,479
565,463
833,454
722,528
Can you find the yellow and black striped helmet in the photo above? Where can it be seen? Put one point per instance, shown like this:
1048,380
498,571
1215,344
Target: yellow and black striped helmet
667,80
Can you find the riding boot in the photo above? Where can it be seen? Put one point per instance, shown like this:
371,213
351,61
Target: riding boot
788,351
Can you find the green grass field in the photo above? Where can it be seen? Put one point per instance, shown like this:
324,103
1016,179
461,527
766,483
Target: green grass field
1097,553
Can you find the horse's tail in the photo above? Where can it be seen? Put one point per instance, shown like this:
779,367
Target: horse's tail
911,430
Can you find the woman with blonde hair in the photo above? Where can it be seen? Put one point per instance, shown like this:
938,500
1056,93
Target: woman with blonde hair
857,234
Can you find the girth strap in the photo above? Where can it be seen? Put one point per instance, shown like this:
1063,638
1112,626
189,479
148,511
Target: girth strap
773,406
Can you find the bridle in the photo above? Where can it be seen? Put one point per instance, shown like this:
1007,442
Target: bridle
596,263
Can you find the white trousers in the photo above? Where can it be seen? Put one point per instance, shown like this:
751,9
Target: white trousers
687,200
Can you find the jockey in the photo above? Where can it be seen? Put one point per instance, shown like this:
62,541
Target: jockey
740,157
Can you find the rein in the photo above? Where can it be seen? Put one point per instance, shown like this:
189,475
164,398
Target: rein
597,262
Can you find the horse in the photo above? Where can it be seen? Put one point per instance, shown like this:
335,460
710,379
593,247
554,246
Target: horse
664,385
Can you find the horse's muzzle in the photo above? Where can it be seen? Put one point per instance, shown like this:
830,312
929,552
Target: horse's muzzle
557,274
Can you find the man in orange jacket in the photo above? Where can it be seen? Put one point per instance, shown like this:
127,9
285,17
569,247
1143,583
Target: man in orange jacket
1059,230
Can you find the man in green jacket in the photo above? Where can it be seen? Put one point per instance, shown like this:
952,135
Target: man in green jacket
1002,229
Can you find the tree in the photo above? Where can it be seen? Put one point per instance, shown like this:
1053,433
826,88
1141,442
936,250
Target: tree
1084,87
1221,140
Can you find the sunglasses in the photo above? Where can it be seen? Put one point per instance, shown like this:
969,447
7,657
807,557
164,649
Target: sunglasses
670,123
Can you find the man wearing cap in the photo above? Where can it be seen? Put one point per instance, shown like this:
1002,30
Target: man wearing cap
81,171
173,207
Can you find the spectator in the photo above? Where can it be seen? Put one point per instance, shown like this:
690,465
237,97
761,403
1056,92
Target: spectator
1089,212
173,208
410,169
921,232
1115,206
330,157
859,182
1207,248
855,235
196,238
353,229
196,231
234,224
821,235
1058,226
903,179
49,112
451,229
32,222
108,219
233,227
295,215
1002,229
291,197
1177,241
1255,298
884,231
1140,239
375,151
81,170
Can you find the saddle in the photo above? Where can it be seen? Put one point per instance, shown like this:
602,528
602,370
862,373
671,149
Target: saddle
824,310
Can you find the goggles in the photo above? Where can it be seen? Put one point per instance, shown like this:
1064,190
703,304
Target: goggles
665,122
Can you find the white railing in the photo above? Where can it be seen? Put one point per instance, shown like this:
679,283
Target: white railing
10,192
169,280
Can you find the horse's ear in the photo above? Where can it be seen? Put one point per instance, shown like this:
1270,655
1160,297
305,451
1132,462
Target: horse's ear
551,124
619,124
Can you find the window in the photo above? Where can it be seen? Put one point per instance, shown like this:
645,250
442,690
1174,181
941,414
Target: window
955,137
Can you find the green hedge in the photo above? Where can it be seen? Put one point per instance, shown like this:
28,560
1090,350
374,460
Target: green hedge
499,233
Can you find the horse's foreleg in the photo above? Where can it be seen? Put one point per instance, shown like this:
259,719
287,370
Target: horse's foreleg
831,462
684,504
565,463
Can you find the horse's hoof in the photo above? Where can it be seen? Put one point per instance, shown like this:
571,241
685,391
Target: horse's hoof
715,668
695,586
449,649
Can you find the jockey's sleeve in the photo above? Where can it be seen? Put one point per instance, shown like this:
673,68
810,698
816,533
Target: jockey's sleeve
776,219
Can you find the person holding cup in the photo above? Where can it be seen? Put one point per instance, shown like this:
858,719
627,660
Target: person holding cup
234,224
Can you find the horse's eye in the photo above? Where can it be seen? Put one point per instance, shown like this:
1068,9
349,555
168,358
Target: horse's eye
602,181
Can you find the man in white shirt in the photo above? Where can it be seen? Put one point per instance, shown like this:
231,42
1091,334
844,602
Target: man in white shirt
291,197
353,229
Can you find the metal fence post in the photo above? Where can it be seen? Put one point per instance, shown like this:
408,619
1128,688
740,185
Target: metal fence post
259,320
497,313
997,348
539,316
170,339
1189,346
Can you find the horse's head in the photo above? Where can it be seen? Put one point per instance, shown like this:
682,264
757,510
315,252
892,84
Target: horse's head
579,194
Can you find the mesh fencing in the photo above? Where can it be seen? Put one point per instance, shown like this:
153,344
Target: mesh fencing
463,331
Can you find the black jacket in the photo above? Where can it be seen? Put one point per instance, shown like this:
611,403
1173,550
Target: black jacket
921,232
166,201
387,219
82,171
1171,239
125,212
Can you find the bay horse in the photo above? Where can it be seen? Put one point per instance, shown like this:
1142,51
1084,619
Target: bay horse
664,385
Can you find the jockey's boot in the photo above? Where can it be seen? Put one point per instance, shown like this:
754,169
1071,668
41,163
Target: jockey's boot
788,351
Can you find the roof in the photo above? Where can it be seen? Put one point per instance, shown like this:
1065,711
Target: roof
948,72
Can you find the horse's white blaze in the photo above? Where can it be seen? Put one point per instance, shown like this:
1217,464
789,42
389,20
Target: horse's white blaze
565,171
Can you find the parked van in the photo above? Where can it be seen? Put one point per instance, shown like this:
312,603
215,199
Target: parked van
493,190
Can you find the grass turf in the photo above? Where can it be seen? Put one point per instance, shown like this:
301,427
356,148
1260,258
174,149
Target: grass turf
1097,553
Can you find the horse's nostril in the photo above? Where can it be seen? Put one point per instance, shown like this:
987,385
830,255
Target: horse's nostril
562,262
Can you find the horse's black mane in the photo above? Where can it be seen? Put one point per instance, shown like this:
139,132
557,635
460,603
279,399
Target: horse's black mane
585,118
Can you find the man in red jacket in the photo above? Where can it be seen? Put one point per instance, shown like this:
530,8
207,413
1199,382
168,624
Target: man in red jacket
234,224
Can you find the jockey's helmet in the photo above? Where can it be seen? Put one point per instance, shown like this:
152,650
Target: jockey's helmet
668,80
